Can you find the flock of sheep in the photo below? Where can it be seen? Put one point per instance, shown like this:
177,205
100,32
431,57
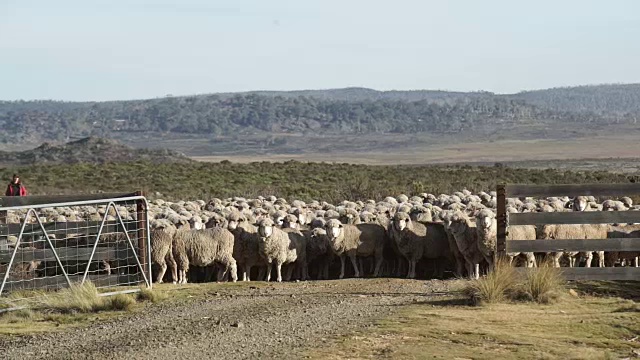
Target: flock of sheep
424,236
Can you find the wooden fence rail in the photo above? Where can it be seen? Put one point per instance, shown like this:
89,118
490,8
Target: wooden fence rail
617,244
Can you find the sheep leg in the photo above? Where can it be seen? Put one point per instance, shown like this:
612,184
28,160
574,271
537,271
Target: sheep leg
636,261
279,271
262,271
174,269
232,268
360,266
341,266
107,267
476,270
246,272
589,259
163,269
325,269
412,269
289,272
268,277
379,260
601,259
556,259
355,265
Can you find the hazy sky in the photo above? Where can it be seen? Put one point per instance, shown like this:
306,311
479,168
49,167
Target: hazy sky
124,49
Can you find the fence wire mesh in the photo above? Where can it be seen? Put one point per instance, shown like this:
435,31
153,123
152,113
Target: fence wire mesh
49,247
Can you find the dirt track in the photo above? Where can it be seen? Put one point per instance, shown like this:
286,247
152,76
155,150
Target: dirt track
256,320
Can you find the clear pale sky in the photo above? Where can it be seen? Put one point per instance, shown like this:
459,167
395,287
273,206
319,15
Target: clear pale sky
108,50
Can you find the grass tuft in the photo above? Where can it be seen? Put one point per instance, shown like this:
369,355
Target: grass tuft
84,299
543,284
147,294
119,302
495,286
17,316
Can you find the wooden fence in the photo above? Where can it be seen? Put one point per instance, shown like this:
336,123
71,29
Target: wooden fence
590,217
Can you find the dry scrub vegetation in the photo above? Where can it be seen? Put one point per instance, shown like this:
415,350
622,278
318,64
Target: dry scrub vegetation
532,315
77,305
290,180
542,284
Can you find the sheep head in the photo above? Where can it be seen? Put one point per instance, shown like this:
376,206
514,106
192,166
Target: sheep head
580,203
401,221
235,219
485,219
265,228
290,221
333,228
459,223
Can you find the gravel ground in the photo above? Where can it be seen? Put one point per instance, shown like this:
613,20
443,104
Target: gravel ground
246,321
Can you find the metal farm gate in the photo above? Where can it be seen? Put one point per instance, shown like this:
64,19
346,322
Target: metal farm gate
50,242
583,217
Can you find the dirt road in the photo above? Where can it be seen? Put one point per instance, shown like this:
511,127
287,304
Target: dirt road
257,320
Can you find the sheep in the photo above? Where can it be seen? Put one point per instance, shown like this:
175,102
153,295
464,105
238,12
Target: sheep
203,248
623,231
318,248
161,249
421,214
453,246
613,205
487,229
466,236
350,216
277,246
414,239
245,248
408,238
353,240
574,231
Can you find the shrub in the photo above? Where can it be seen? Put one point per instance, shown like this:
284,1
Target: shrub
84,299
17,316
543,284
147,294
119,302
495,286
77,298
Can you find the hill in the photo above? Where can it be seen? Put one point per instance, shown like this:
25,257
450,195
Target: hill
599,99
324,112
89,150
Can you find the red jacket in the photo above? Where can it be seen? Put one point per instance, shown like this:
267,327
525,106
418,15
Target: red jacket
10,190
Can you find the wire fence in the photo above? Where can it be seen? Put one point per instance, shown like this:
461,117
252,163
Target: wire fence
46,247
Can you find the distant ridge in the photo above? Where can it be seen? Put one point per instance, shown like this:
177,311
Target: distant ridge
90,150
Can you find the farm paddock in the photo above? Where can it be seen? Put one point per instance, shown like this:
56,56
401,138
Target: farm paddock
351,318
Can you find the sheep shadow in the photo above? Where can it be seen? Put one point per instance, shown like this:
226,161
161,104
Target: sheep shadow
629,290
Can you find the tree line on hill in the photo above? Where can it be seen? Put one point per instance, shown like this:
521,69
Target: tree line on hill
330,111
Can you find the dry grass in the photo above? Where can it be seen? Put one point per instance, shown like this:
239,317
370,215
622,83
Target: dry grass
147,294
495,287
542,284
77,298
576,328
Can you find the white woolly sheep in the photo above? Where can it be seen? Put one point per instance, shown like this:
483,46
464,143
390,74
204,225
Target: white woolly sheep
203,248
487,229
277,246
356,240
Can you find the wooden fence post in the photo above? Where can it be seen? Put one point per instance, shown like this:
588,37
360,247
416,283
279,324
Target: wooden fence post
141,218
501,243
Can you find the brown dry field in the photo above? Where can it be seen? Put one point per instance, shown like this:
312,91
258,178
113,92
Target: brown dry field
601,147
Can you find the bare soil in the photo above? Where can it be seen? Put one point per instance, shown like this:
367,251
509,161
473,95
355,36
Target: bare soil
244,320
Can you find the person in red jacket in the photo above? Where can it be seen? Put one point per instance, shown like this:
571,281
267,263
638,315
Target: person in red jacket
15,187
